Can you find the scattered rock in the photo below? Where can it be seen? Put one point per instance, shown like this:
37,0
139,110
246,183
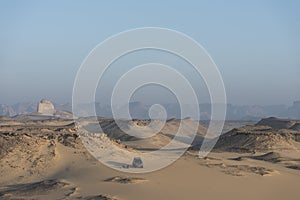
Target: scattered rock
97,197
242,170
38,188
137,163
272,157
296,167
125,180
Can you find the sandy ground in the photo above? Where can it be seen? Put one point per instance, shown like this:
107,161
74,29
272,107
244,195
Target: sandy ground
188,178
63,171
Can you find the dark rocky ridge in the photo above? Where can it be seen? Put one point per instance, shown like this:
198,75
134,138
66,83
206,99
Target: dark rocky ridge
268,134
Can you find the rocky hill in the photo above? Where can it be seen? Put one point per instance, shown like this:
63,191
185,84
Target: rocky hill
268,134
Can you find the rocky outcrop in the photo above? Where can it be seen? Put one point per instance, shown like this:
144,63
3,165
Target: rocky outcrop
296,127
277,123
137,163
257,138
45,107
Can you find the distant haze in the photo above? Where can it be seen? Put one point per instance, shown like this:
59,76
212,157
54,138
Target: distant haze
255,44
139,110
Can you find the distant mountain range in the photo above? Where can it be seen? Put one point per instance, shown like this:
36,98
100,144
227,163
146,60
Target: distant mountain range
139,110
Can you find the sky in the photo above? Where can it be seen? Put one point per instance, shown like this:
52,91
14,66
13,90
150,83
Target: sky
255,44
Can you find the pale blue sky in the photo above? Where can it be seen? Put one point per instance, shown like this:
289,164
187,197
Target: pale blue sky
255,44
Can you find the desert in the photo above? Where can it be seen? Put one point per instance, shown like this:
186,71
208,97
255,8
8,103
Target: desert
149,100
45,159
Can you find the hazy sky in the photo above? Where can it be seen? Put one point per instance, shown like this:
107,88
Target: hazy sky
255,44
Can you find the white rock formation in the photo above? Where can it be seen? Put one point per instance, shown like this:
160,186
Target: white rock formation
45,107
